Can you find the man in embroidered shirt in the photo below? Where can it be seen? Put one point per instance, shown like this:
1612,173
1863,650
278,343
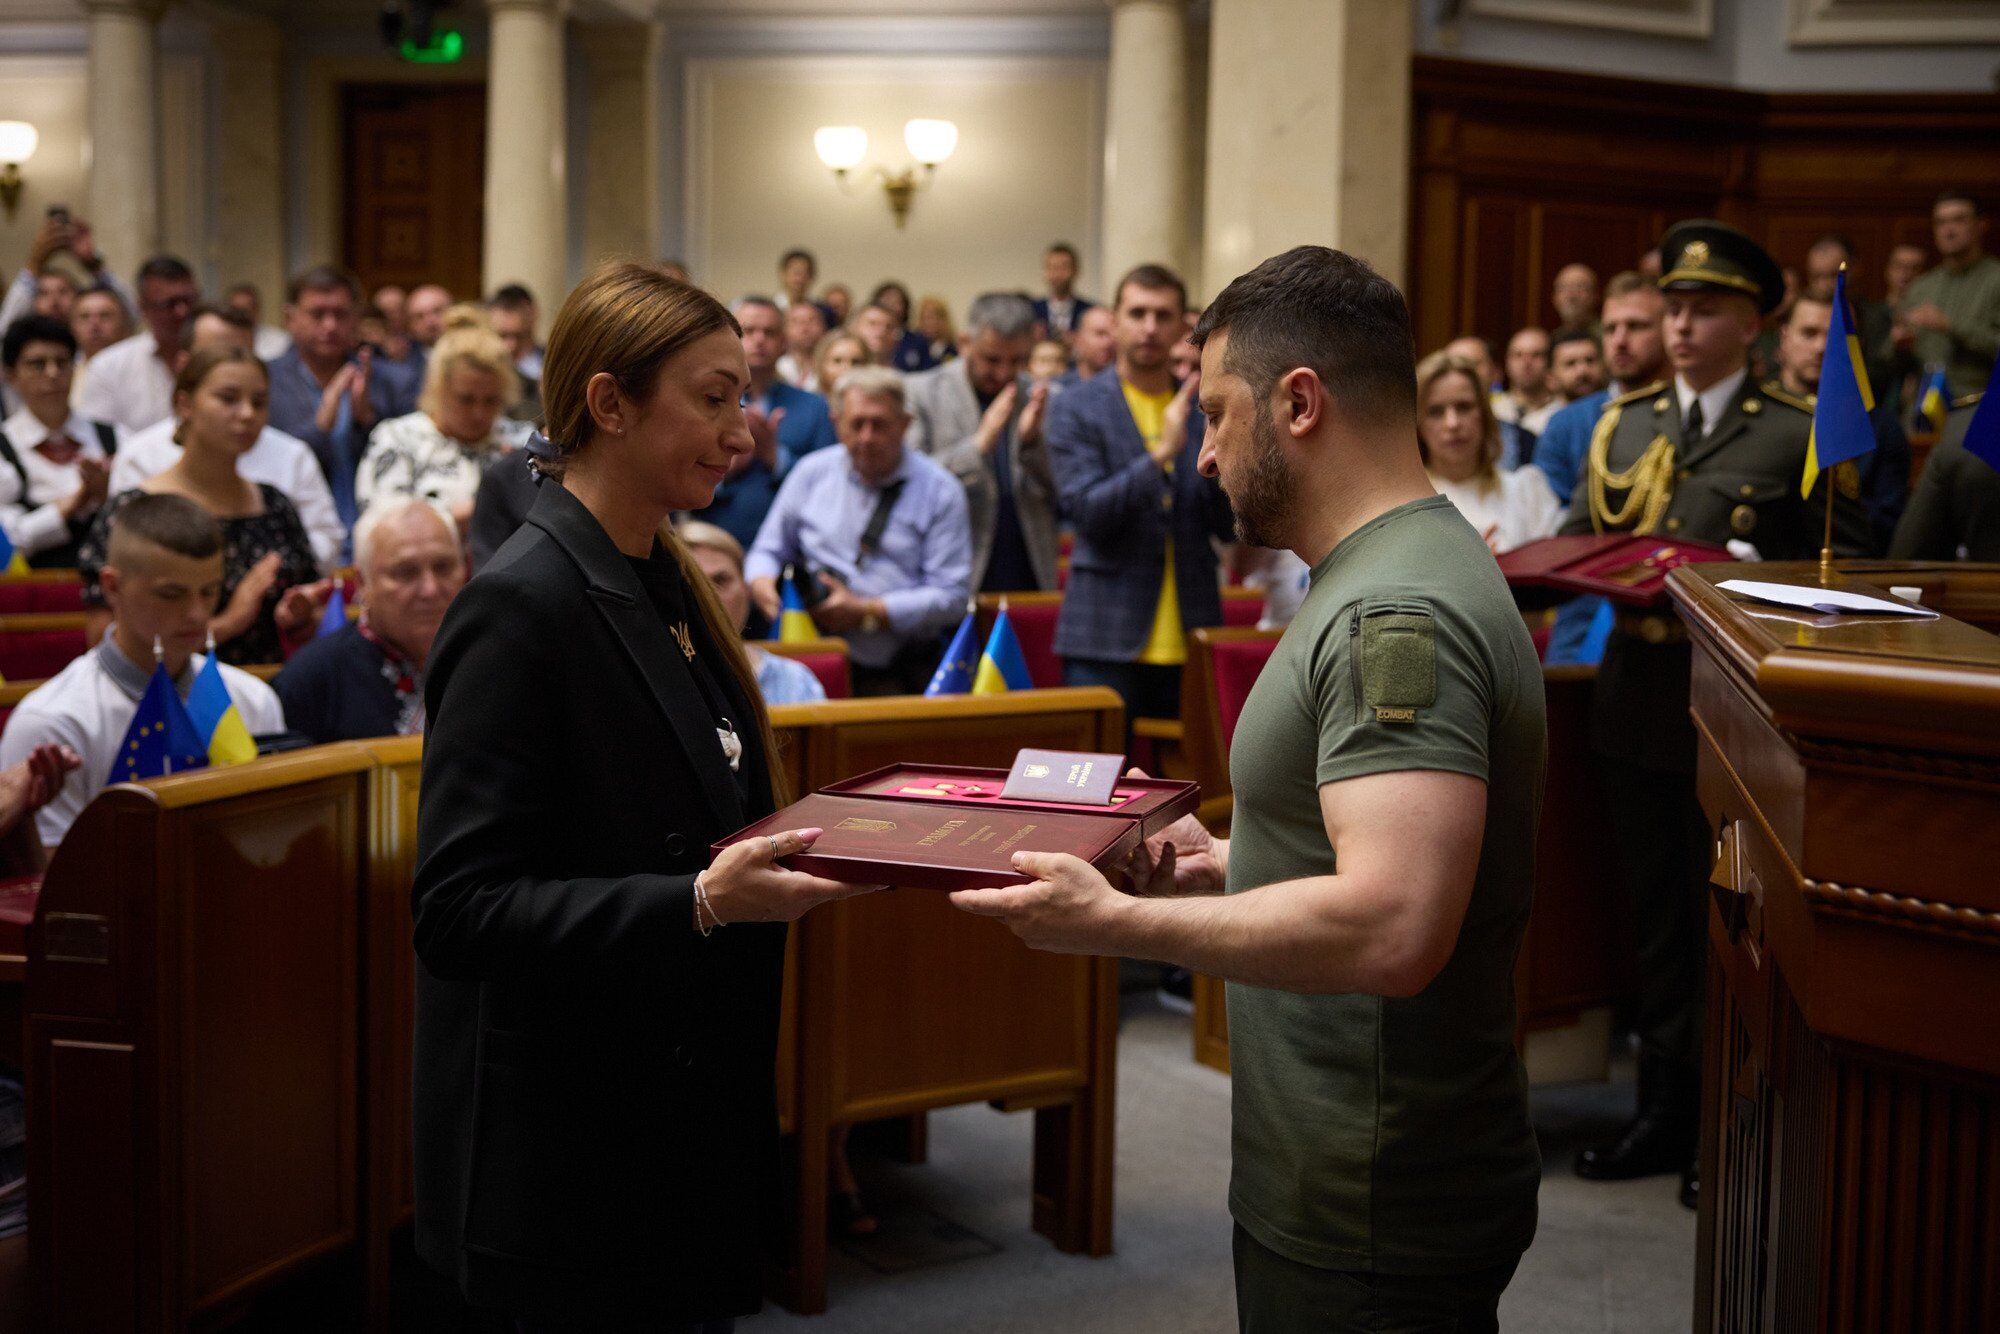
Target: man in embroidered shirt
366,679
132,383
162,577
882,529
54,464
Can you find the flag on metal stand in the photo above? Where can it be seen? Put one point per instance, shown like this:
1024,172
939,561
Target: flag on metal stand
954,672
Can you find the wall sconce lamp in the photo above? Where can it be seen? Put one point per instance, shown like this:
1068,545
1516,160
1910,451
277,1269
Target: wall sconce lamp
17,145
841,147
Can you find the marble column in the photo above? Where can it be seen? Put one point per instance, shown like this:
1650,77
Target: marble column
1308,132
124,129
527,187
1146,204
621,141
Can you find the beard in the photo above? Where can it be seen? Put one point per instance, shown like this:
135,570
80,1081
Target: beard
1263,495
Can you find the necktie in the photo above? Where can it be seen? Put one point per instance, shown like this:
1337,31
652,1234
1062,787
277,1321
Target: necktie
1691,428
60,449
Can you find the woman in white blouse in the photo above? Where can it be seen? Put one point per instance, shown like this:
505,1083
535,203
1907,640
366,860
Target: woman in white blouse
438,452
1460,442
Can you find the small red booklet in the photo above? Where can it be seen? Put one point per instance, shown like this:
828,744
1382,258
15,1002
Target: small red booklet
948,827
1619,566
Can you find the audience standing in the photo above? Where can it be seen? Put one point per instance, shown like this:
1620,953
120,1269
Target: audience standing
99,318
1094,343
1056,313
132,383
366,678
511,314
935,328
1881,477
1529,400
786,422
982,419
805,325
438,452
881,530
1954,513
1574,296
270,343
1950,317
1576,367
55,465
780,680
162,577
1459,440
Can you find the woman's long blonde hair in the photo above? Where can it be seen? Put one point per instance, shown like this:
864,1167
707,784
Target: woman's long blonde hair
627,321
1434,368
468,347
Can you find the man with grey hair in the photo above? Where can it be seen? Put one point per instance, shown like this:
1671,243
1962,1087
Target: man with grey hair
981,417
875,534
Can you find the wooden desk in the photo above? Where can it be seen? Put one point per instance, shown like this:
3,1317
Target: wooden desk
899,1003
1850,769
191,1063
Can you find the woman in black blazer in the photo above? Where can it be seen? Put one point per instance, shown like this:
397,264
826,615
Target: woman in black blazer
597,1010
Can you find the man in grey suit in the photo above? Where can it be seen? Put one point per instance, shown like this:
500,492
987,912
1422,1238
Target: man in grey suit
982,419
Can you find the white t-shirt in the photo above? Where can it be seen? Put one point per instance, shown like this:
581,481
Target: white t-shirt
85,708
1517,508
281,460
129,385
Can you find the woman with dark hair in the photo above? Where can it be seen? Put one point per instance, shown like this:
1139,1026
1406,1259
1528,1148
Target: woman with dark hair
597,1007
271,590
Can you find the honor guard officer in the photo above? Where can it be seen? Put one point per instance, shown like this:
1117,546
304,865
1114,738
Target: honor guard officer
1954,513
1707,457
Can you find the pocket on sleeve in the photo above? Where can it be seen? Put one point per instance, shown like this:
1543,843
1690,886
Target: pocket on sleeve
1398,657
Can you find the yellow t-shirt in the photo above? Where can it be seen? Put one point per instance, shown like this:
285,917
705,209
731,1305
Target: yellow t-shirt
1166,646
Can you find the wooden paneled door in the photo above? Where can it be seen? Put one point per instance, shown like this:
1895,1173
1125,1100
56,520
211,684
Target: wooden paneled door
415,176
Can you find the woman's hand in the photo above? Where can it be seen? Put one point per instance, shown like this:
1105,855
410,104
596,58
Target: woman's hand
248,599
745,883
299,609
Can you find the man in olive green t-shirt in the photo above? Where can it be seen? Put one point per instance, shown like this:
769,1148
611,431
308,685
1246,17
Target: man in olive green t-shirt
1370,905
1950,317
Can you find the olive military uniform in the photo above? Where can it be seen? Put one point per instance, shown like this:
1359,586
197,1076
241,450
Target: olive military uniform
1955,512
1735,477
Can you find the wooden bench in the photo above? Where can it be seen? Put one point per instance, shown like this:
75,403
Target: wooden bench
40,590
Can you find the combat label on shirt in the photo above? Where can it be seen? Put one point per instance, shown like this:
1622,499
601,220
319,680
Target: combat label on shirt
1376,1133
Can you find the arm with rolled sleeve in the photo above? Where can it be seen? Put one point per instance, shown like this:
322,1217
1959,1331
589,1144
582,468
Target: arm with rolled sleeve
1098,497
946,573
29,727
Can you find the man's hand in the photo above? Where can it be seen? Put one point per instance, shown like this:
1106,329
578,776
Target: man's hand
1069,909
92,488
1182,860
1173,433
83,244
1030,429
49,238
300,608
33,783
343,380
993,422
248,599
764,592
1928,316
364,370
843,609
764,434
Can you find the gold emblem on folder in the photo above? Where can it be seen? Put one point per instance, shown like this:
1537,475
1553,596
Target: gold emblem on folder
862,826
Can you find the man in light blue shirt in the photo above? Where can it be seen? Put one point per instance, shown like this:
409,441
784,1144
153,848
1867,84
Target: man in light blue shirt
882,530
787,423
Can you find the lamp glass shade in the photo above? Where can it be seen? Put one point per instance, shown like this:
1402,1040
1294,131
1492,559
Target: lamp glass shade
17,141
841,147
930,141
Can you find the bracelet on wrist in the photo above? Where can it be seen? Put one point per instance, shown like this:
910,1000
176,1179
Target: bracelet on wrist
703,906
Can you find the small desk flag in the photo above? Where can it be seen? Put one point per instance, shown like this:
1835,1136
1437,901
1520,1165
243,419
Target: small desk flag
1003,666
11,560
1982,433
794,624
1840,428
162,738
215,717
1933,402
954,674
335,616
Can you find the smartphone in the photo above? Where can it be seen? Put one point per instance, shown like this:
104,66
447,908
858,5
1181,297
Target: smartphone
59,213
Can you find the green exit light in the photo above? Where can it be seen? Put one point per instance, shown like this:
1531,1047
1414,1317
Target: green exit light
444,48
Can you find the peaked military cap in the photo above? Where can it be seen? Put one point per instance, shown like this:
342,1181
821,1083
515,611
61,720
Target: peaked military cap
1703,255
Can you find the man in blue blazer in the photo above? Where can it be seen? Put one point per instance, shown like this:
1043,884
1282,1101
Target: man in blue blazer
1058,312
1143,570
787,423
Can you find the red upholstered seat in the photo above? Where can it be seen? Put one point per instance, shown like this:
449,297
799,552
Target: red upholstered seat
40,590
1033,616
39,653
831,669
1242,606
1237,663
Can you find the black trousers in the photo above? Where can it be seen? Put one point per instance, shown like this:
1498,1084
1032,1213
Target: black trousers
1663,867
1148,689
1278,1295
905,674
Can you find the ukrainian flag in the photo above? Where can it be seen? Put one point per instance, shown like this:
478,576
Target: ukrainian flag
1002,667
954,674
11,561
162,738
794,624
1933,402
333,619
1840,427
215,717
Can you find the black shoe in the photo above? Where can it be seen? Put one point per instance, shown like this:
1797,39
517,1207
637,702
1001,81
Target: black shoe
1690,1187
1658,1141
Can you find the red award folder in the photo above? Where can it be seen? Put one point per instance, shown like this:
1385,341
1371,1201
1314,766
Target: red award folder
1622,567
947,827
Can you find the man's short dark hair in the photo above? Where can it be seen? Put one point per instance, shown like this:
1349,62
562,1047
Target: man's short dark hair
34,329
173,523
1063,248
1960,197
324,278
513,296
1627,281
1802,299
244,289
785,260
1151,278
1566,336
743,303
1320,308
233,316
1833,239
166,269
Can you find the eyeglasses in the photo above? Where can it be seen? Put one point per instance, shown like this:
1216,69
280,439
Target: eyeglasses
45,365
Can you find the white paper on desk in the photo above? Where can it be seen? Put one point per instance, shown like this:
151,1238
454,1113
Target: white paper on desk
1830,600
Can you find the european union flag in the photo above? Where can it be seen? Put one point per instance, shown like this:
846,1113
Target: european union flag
162,738
1982,433
1840,429
954,675
335,616
1003,666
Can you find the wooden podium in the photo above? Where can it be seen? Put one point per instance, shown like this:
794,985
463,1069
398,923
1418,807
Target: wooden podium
1850,770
